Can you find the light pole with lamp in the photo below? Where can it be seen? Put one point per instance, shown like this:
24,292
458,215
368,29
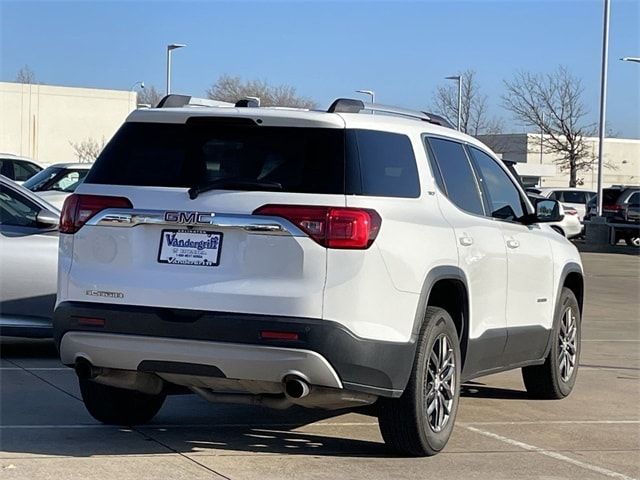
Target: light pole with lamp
171,47
458,78
631,59
371,93
603,102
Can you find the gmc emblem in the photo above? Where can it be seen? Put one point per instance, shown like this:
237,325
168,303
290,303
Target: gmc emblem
189,218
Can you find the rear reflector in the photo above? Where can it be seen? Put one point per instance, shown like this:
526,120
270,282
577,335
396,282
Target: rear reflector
78,209
93,322
331,227
269,335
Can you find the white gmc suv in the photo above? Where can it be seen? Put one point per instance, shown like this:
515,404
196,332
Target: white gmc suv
335,259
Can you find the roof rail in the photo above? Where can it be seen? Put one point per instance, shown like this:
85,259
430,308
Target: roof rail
174,100
348,105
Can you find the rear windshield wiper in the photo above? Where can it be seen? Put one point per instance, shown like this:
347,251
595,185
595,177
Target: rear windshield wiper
236,183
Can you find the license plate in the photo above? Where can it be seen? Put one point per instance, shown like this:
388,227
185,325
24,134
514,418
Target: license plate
190,247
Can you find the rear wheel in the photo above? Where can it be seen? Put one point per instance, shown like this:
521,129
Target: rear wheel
557,376
420,422
119,406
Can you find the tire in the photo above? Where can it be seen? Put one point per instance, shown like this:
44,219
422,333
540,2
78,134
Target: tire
406,427
632,241
118,406
556,378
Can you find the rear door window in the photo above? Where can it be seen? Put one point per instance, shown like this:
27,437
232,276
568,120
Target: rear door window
205,150
457,175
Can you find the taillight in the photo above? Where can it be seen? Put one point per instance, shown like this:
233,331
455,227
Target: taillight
614,207
571,212
78,209
331,227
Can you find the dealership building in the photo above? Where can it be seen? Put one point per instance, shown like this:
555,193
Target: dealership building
621,157
43,121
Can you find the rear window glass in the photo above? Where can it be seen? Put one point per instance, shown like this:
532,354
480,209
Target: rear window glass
573,196
302,160
610,195
305,160
387,164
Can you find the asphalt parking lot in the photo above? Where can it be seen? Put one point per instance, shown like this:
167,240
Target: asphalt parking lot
500,434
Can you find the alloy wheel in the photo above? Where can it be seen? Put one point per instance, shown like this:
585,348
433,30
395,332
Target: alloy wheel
567,345
440,384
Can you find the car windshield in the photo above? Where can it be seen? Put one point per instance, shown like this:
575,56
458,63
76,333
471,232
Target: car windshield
41,178
57,178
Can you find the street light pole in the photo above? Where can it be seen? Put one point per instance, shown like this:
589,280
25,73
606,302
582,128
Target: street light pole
459,79
371,93
541,135
171,47
603,101
631,59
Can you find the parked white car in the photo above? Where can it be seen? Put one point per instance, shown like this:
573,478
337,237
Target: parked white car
28,262
56,182
325,259
569,226
576,198
17,168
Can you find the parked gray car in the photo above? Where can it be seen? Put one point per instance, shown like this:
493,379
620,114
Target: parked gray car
28,261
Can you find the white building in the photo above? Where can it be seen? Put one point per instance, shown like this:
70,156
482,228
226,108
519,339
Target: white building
621,155
42,121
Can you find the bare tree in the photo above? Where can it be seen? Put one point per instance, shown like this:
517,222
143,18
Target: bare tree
231,89
26,75
87,150
149,95
553,104
475,118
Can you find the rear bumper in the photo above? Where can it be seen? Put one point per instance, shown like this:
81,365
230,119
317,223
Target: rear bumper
196,357
26,327
231,342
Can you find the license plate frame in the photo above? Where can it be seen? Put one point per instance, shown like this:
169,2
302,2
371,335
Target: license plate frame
204,234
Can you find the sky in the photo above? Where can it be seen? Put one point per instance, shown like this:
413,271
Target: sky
402,50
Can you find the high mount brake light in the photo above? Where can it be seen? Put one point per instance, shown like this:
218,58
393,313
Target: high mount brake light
78,209
331,227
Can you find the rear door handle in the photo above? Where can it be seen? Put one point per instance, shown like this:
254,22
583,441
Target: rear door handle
513,243
466,241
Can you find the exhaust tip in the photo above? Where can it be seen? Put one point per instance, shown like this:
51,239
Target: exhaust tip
296,388
84,369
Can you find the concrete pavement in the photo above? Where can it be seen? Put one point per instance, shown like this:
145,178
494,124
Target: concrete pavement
45,431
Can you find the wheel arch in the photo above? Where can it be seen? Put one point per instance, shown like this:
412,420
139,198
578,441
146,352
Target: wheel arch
571,277
574,281
446,287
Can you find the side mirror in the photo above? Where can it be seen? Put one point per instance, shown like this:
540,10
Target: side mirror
47,219
546,211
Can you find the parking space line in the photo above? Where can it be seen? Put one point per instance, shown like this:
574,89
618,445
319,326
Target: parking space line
554,422
31,372
609,340
551,454
319,424
39,369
